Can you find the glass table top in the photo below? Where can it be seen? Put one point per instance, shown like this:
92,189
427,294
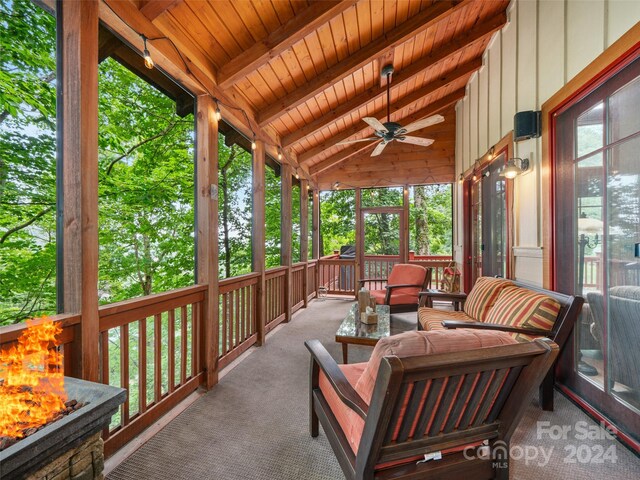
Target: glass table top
351,326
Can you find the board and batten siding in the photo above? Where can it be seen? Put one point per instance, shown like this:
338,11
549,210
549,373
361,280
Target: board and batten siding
543,45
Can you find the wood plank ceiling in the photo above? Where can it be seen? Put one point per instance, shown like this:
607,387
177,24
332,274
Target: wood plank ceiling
310,70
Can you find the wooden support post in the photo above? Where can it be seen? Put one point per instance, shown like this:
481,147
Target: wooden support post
315,225
78,71
404,242
258,236
207,224
304,236
359,260
285,234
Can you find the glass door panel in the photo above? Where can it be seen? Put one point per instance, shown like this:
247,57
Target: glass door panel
598,226
382,242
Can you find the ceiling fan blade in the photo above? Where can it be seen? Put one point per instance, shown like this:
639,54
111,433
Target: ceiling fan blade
425,142
375,124
346,142
425,122
378,150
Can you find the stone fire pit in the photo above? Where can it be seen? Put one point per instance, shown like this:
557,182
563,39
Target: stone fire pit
72,443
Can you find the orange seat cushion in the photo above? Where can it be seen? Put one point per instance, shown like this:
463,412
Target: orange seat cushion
519,307
483,295
362,376
431,318
350,422
396,299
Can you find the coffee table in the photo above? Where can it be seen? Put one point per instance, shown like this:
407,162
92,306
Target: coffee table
353,332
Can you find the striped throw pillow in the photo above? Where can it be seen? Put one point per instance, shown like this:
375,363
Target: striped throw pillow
520,307
483,295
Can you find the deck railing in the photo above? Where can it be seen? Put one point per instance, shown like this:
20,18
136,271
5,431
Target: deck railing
337,275
275,296
153,346
238,328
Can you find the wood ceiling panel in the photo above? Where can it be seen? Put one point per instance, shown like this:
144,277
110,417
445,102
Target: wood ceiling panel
255,25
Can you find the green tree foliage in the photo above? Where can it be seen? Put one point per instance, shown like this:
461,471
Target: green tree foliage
234,211
273,199
27,161
337,220
431,219
146,196
295,223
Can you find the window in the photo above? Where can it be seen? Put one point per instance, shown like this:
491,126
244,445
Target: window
273,212
235,185
382,197
27,162
337,220
431,219
146,179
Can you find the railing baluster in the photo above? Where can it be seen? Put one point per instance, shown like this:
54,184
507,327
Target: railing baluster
124,369
195,347
142,365
183,344
172,350
157,357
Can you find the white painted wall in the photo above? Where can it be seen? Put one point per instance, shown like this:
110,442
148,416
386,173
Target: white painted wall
544,44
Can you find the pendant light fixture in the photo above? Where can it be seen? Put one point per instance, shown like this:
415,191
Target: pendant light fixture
148,61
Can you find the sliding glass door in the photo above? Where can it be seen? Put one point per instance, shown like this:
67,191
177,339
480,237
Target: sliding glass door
597,240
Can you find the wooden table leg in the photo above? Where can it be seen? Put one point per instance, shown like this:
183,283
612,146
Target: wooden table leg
345,353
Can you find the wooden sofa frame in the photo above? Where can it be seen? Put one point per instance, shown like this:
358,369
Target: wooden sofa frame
465,414
570,307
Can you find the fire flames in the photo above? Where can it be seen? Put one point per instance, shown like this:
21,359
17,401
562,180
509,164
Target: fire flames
31,380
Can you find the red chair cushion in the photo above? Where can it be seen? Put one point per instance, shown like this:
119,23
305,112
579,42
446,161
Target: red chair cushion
406,274
483,295
403,345
396,299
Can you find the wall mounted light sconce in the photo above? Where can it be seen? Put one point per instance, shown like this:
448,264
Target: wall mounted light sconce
148,61
515,166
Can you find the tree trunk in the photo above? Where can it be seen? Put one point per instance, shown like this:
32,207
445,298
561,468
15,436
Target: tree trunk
422,221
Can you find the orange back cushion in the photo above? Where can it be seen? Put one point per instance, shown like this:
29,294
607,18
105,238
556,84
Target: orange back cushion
520,307
414,343
483,295
406,274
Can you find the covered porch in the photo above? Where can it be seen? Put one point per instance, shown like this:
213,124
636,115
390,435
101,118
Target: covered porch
191,192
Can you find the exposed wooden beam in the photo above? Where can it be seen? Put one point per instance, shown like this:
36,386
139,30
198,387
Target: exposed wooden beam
281,39
124,18
464,71
393,178
371,94
154,8
408,29
348,152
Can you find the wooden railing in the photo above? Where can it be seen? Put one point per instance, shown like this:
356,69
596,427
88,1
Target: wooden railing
150,346
337,275
438,264
312,272
154,347
298,283
592,273
275,296
238,329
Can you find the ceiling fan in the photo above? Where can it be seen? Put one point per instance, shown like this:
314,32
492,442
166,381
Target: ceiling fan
389,131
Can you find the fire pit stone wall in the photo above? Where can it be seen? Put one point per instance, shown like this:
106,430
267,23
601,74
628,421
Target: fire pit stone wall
84,462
